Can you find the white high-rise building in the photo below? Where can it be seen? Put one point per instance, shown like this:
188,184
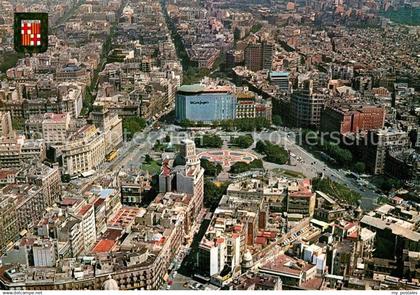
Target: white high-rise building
190,179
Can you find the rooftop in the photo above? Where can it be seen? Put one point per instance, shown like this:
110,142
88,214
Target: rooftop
287,265
396,227
104,246
279,74
198,88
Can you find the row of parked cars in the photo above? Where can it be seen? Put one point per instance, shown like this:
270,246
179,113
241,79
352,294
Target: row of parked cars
293,237
194,285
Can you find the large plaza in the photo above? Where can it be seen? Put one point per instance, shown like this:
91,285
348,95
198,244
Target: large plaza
227,158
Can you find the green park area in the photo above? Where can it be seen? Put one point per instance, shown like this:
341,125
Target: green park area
209,141
243,141
150,165
336,190
211,169
243,124
273,153
288,173
132,125
240,167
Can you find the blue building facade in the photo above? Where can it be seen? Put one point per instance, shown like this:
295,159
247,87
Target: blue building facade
198,103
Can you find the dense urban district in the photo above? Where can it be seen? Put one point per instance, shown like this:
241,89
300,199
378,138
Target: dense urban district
212,144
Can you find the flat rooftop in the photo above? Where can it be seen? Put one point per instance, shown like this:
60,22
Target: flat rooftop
198,88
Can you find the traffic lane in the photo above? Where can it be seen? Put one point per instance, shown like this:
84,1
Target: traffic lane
180,282
368,196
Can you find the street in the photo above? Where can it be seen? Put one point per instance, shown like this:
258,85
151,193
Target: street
307,164
306,167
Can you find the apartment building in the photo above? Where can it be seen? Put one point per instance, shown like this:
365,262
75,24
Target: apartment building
47,178
110,125
9,230
83,151
259,56
281,80
352,118
248,105
87,216
6,128
17,150
29,204
55,128
306,106
300,198
378,143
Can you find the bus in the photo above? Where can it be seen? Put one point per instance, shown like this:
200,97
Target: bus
111,156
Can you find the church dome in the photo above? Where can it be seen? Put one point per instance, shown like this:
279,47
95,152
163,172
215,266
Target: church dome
247,257
247,260
110,284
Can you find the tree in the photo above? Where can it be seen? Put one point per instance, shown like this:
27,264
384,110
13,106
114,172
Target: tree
148,159
186,123
251,124
342,156
256,164
240,167
211,169
387,184
18,123
132,125
255,28
65,178
260,147
87,101
227,125
158,146
273,153
277,120
243,141
335,189
213,194
359,167
209,141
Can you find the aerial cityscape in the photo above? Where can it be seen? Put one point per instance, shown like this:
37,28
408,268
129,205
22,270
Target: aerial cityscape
209,145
